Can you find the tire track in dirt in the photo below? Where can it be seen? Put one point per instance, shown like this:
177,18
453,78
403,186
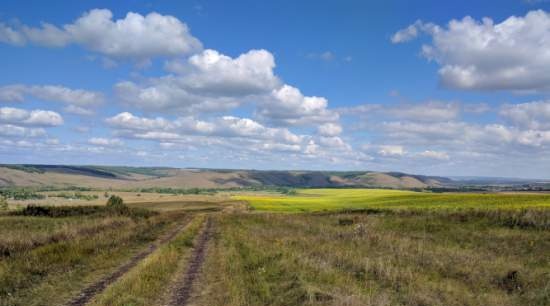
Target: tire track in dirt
184,287
88,293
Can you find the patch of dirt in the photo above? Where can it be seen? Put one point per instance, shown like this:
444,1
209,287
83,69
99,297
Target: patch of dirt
184,288
88,293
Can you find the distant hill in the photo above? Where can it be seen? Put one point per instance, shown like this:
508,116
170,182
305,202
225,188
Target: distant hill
143,177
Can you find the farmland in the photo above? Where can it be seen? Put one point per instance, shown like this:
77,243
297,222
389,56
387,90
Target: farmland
312,200
302,247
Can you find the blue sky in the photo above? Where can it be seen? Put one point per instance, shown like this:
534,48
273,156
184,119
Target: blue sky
417,86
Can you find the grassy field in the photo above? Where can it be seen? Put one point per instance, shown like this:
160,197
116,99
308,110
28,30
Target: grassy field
314,200
381,259
313,247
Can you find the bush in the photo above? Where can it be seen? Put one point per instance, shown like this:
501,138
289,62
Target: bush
115,202
3,204
72,211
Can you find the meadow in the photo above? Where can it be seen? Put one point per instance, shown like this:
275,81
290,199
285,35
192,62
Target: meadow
315,200
303,247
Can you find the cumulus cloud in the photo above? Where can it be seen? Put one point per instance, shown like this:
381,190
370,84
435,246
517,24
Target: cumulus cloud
226,126
211,72
135,36
288,106
484,55
208,81
330,129
31,118
532,115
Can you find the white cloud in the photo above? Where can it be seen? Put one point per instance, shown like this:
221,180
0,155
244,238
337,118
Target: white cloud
484,55
330,129
105,142
78,101
208,81
429,111
43,118
224,127
411,32
135,36
440,155
32,118
11,36
288,106
10,130
127,120
213,73
532,115
391,150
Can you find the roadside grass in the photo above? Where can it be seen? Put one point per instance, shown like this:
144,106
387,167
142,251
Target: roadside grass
314,200
50,270
374,259
147,283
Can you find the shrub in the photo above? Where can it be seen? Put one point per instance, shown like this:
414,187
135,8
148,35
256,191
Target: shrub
71,211
3,204
115,202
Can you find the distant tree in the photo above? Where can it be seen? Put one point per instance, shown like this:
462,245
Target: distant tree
3,204
115,202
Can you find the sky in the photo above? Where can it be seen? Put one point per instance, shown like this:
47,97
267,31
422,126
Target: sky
426,87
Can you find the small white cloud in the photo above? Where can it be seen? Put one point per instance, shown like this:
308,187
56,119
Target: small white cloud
288,106
391,150
30,118
330,129
105,142
434,155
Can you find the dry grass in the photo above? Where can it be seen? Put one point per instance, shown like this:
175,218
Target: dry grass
147,283
410,259
56,270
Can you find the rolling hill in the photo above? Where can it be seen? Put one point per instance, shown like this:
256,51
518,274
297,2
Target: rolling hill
143,177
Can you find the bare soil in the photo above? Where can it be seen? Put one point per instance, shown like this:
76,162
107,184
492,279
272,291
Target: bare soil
183,289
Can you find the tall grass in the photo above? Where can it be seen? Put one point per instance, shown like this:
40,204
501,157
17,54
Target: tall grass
419,258
51,273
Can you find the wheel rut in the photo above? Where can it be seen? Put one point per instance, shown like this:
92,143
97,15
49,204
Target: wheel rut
88,293
184,287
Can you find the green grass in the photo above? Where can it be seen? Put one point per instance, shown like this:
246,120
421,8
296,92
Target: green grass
314,200
49,260
147,283
381,259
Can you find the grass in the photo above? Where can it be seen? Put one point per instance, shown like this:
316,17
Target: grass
313,247
146,284
314,200
49,260
381,259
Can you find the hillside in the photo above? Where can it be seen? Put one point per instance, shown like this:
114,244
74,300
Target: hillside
142,177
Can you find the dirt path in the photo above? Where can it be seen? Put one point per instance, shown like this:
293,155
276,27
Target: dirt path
88,293
184,287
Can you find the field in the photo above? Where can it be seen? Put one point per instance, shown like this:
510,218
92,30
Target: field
314,200
308,247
